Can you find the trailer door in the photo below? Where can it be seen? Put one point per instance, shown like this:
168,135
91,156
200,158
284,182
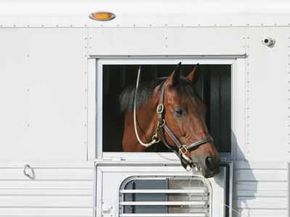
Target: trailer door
132,190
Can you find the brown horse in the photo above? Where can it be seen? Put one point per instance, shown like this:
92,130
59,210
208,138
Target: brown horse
170,111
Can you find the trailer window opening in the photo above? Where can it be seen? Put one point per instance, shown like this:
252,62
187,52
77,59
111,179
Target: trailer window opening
213,86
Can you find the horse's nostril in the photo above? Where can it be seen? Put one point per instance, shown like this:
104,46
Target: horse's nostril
211,163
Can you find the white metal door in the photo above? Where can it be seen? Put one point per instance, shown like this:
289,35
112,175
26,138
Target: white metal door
175,191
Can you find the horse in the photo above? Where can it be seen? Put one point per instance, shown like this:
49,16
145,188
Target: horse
169,111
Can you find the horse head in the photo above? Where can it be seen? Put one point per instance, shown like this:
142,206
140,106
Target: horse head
172,112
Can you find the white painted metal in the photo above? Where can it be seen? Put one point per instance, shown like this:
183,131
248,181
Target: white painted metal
130,13
110,176
127,41
162,191
92,111
43,99
267,81
167,203
48,108
164,215
57,190
261,188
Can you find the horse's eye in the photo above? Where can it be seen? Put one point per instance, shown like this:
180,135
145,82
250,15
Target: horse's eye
179,112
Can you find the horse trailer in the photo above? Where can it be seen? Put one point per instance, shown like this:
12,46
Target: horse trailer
63,66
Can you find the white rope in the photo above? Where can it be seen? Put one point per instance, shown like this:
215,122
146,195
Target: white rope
204,180
237,212
135,115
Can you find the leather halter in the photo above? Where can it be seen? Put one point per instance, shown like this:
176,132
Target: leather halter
183,151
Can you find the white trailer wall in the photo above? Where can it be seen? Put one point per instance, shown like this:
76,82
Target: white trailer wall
45,109
259,95
43,94
43,113
57,190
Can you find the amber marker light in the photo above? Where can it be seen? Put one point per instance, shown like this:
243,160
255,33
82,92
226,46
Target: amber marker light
102,16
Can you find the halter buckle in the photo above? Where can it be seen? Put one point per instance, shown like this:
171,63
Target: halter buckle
155,138
183,150
160,109
160,124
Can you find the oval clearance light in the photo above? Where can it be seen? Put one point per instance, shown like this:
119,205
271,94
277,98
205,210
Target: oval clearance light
102,16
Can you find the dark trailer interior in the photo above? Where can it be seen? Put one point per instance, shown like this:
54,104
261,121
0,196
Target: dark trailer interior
213,86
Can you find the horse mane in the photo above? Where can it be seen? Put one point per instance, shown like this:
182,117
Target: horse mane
145,91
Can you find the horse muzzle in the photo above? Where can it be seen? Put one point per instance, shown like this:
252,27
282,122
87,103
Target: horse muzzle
208,166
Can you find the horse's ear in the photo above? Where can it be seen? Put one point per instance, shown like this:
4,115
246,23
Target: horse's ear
193,75
173,79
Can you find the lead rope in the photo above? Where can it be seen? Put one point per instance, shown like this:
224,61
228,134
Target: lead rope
154,140
230,208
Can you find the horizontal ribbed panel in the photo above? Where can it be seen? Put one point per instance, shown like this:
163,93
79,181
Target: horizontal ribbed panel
64,191
261,188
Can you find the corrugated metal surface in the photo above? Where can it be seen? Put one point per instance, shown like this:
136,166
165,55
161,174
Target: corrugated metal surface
56,191
261,189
